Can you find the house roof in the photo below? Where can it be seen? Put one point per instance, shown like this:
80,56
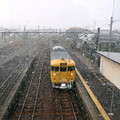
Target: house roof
114,56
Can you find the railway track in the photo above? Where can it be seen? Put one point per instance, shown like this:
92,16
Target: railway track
9,82
16,68
26,109
11,71
66,108
39,101
21,51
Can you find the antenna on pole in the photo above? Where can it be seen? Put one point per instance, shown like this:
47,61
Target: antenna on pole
113,7
110,37
94,24
111,25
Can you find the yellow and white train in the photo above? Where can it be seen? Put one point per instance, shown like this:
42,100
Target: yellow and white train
62,72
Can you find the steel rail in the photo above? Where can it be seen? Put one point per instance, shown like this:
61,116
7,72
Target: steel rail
25,53
8,85
33,114
19,52
28,92
62,118
12,78
72,108
2,85
32,79
16,52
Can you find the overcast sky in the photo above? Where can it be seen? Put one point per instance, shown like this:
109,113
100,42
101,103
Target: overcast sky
59,13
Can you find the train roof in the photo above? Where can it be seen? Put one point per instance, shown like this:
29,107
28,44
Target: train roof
59,52
58,47
57,62
59,55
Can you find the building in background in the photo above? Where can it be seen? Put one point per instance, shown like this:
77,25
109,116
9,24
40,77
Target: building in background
110,66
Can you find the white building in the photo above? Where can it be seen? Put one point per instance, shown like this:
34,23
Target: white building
110,66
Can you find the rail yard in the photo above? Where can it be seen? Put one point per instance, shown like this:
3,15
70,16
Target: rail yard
26,92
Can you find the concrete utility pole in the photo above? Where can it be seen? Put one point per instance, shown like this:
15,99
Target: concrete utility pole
38,32
112,99
97,47
110,37
97,39
24,32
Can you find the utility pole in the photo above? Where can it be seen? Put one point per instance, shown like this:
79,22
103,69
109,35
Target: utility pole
38,32
112,100
24,32
97,39
111,106
97,47
110,37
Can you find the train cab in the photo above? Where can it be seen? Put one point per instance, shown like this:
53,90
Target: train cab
62,72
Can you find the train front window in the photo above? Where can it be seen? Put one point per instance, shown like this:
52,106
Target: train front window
54,68
58,50
71,68
62,69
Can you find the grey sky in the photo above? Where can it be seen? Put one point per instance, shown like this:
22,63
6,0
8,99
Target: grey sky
58,13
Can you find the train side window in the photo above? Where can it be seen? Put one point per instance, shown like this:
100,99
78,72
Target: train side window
54,68
71,68
62,69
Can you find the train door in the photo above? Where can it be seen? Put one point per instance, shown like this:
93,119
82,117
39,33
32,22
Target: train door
63,74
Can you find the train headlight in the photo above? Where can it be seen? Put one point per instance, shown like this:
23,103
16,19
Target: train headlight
71,74
54,74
